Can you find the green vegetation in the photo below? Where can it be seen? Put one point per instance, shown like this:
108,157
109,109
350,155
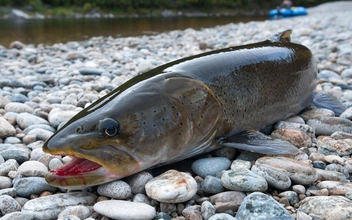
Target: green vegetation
67,7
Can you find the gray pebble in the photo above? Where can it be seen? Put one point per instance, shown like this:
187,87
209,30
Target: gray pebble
142,198
212,185
258,205
207,210
32,185
116,189
328,125
80,211
18,107
18,216
55,163
8,191
6,129
275,177
5,182
17,97
138,181
9,165
18,152
291,196
242,179
49,207
32,168
25,120
210,166
8,205
222,216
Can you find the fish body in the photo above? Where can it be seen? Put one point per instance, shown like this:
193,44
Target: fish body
183,108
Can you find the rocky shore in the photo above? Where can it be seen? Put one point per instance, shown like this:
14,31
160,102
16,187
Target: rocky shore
42,87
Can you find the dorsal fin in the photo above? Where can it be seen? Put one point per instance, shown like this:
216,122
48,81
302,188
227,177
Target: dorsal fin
284,36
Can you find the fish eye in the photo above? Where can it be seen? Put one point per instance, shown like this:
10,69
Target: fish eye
109,127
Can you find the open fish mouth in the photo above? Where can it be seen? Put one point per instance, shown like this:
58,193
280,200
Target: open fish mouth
79,173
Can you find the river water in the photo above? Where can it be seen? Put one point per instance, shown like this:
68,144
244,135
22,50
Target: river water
50,31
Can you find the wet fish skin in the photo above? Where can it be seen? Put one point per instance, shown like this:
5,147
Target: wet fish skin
182,108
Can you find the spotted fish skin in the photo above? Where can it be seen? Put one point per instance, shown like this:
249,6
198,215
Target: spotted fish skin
183,108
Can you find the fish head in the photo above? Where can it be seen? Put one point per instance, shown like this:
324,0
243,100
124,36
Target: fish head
119,135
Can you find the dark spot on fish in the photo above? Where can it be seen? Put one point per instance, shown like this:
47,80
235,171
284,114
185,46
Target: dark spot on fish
144,123
154,111
179,134
181,123
154,125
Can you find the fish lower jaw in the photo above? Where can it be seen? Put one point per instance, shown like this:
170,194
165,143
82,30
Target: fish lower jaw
80,173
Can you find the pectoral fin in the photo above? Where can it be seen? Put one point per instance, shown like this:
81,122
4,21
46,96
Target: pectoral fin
328,101
258,142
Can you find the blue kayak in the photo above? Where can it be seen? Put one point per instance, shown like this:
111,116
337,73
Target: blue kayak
287,12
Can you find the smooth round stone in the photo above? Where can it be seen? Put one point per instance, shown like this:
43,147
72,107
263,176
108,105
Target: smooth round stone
241,163
296,126
8,191
121,210
192,212
6,129
18,107
222,216
58,117
334,159
291,196
17,216
319,165
141,198
347,113
335,187
207,210
275,177
25,120
41,126
9,165
33,168
8,205
326,126
40,134
328,74
234,197
296,137
163,216
55,163
37,153
18,97
116,189
258,205
32,185
242,179
298,171
347,73
317,113
80,211
49,207
90,71
210,166
212,185
329,146
18,152
138,181
172,187
327,207
5,182
330,175
12,140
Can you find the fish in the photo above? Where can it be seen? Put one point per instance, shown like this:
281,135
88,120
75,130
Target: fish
187,107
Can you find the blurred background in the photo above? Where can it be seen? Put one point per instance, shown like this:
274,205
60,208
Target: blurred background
54,21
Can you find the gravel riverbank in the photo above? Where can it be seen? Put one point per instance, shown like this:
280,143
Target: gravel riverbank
42,87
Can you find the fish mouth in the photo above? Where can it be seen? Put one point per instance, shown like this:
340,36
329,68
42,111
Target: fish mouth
80,173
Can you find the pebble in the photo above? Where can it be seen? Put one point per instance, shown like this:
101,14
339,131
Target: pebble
58,117
329,146
13,151
18,107
327,207
258,205
193,212
137,181
241,163
25,120
32,185
291,196
328,125
242,179
222,216
207,210
317,113
9,165
32,168
121,210
49,207
18,216
116,190
171,187
8,205
210,166
296,137
298,171
274,177
335,187
80,211
212,185
6,129
5,182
